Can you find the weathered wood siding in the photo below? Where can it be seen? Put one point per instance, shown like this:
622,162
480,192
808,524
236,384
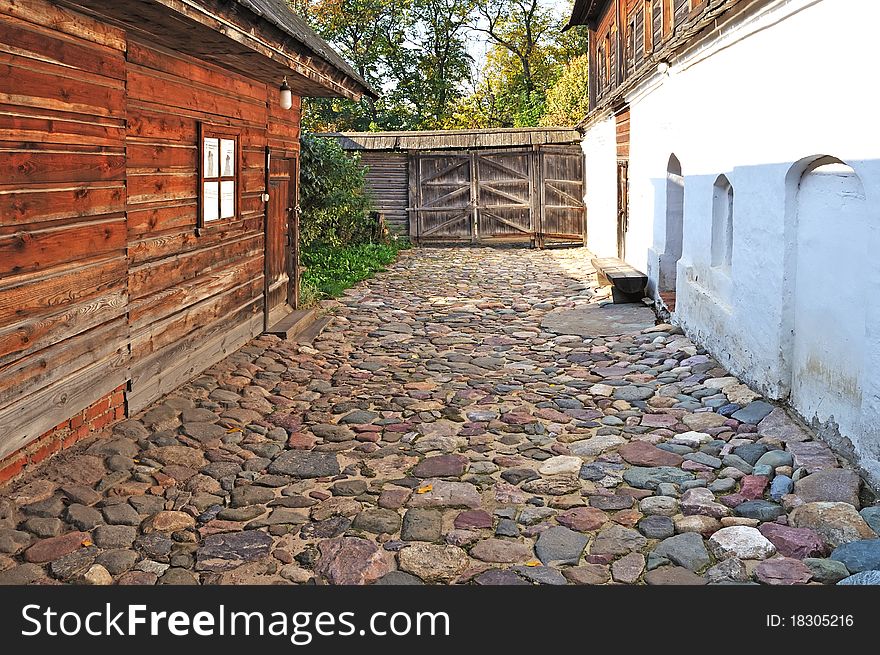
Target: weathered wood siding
387,182
63,286
194,297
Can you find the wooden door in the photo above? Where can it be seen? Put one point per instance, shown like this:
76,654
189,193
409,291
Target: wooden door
504,192
443,189
562,194
278,242
622,207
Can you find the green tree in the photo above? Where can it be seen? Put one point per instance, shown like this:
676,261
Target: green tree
568,100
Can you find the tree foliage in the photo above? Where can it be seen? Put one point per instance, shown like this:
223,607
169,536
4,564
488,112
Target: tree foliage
335,207
417,55
568,100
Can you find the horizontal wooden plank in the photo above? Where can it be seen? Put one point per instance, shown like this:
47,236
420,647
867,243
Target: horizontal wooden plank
28,375
176,328
156,187
162,156
169,245
161,125
168,370
144,83
28,166
32,42
42,249
149,278
34,125
22,299
190,69
36,333
31,204
167,302
162,218
50,86
66,21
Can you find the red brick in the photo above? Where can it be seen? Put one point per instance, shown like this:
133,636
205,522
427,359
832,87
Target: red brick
101,421
12,467
45,450
117,399
98,408
76,435
120,413
76,421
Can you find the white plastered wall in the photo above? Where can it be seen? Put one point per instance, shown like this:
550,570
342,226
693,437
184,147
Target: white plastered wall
757,101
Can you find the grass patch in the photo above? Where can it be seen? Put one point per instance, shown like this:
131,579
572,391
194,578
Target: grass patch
332,270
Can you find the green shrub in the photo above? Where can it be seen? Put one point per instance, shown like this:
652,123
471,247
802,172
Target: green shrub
335,206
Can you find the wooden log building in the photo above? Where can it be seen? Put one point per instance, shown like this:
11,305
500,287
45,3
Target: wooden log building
148,195
476,186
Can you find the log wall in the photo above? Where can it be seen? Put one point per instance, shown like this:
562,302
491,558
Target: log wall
105,279
63,282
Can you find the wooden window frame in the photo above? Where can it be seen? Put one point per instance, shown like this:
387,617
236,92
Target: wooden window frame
648,26
667,17
219,132
630,44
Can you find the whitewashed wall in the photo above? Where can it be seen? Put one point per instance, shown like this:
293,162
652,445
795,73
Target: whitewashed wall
760,100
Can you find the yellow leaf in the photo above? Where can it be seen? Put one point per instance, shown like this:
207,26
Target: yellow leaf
233,430
86,542
533,562
425,489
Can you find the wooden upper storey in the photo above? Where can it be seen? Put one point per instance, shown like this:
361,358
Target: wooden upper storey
261,39
628,38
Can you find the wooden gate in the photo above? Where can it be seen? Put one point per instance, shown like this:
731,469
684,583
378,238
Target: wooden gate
562,195
532,195
279,244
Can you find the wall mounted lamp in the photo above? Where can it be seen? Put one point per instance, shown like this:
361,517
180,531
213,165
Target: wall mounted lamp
286,95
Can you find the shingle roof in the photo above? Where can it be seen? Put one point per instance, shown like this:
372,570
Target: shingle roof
279,13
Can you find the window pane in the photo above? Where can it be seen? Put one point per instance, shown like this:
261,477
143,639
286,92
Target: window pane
210,201
212,157
227,199
227,155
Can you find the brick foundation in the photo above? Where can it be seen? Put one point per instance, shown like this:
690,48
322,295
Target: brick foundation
92,419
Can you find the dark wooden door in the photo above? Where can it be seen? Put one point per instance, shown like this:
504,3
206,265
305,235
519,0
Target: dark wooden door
278,242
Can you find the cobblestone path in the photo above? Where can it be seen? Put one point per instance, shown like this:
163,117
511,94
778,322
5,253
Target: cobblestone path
436,433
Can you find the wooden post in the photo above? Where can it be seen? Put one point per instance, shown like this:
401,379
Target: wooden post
475,199
414,197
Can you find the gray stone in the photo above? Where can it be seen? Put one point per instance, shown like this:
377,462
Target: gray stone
651,477
421,525
826,571
73,564
399,578
248,495
812,455
83,518
750,453
305,464
687,550
359,416
332,433
560,545
858,556
774,458
617,540
117,561
863,578
121,514
759,509
114,536
221,552
43,527
22,574
377,521
871,515
656,527
754,412
632,392
704,459
541,575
